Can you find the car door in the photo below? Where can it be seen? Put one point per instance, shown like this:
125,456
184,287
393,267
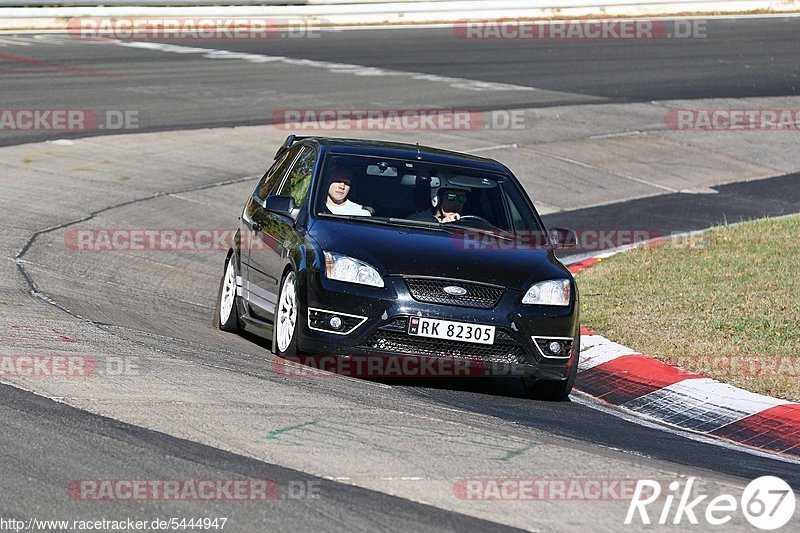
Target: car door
259,289
278,232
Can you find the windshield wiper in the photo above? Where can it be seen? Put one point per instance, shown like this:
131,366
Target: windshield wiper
408,222
482,232
448,227
394,222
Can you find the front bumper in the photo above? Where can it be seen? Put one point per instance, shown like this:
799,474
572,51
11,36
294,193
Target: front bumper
378,326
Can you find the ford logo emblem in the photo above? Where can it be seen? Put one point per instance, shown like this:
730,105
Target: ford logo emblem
454,290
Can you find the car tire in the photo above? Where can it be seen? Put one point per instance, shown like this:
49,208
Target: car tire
286,317
552,391
226,315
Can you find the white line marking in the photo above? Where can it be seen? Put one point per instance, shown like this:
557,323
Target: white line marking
617,134
13,42
32,39
489,148
336,68
179,197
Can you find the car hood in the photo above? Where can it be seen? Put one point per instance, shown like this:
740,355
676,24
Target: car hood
395,250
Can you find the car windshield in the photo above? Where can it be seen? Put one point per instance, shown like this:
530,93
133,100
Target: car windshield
401,192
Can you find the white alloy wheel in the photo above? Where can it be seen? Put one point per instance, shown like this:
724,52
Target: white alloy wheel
228,297
287,312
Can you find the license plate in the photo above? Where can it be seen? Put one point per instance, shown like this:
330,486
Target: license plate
453,331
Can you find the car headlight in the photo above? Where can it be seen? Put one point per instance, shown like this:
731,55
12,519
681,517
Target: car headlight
552,292
344,268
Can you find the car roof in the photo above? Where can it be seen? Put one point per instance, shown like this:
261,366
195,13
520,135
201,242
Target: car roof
398,150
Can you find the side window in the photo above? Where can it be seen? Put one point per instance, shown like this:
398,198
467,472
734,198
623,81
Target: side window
272,178
516,218
522,218
299,178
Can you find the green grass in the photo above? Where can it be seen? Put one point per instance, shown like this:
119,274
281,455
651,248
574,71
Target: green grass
725,303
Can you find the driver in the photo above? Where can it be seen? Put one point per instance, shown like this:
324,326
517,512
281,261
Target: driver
447,205
339,181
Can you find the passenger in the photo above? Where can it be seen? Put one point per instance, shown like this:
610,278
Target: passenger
447,206
339,181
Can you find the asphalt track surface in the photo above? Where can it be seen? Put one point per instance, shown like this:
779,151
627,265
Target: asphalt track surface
676,213
49,442
62,433
736,58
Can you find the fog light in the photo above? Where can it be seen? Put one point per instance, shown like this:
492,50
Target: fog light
335,322
554,347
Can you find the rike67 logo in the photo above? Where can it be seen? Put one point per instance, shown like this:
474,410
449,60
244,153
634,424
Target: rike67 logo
767,503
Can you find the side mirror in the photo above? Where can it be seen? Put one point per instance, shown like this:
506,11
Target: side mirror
563,238
282,204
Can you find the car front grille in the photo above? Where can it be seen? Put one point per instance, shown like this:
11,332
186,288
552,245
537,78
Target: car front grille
393,338
431,290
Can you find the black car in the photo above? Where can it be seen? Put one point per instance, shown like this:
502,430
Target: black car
356,248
